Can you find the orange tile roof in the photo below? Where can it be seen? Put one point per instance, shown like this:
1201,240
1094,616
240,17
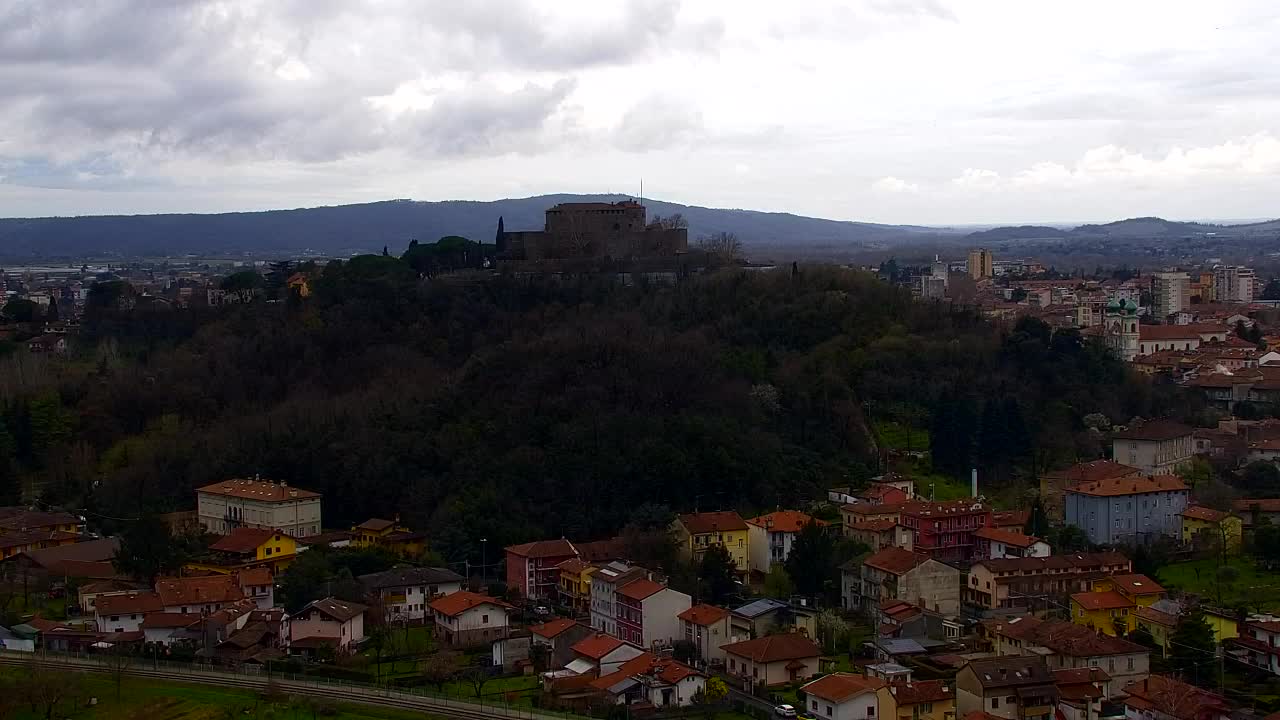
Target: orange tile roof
773,648
544,549
1008,537
1137,584
1094,471
199,590
704,614
895,560
880,525
922,691
840,686
260,490
243,540
1115,487
573,566
459,602
1155,430
128,604
552,628
1199,512
1268,505
1010,518
640,588
790,521
1101,600
255,576
597,646
709,522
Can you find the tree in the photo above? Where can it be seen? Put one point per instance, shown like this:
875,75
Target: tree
716,573
723,246
684,651
713,693
117,661
777,584
1266,542
1261,477
675,221
812,562
243,285
440,668
1197,472
147,549
476,676
20,310
1192,651
52,315
377,640
48,692
1037,519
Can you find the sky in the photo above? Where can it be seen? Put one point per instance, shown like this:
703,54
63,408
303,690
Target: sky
901,111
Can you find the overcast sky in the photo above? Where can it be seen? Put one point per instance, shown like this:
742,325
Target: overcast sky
911,111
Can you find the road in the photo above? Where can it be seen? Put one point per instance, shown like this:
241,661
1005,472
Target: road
748,699
338,692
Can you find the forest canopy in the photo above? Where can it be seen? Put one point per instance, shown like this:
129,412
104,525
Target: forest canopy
515,408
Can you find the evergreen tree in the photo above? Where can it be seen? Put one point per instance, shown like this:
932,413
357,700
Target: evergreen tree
716,573
812,562
1193,652
1038,520
52,316
10,487
147,550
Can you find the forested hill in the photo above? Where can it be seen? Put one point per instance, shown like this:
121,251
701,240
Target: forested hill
513,409
368,227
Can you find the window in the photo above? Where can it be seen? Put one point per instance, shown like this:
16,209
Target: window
1130,663
828,711
268,551
995,703
926,707
1111,665
871,711
814,705
484,619
115,618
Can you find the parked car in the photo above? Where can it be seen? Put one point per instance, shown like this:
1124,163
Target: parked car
784,711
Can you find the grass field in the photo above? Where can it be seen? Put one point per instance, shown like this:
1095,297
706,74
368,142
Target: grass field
158,700
1255,589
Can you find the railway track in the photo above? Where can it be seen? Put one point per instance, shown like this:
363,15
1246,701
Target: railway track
382,697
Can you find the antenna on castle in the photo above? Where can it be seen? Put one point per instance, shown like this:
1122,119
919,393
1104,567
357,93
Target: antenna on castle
641,191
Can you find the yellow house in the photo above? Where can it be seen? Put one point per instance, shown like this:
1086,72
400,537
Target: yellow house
1202,525
246,547
1113,603
575,584
1159,624
919,700
697,532
1226,626
388,534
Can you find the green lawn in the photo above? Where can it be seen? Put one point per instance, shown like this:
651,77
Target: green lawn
896,436
1258,590
141,698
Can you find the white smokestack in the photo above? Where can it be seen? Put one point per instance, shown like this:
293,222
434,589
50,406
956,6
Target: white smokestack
973,482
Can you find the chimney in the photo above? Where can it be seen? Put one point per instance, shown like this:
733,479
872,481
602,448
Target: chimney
973,482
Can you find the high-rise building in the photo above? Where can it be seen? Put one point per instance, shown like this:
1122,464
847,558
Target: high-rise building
1233,284
1170,293
981,264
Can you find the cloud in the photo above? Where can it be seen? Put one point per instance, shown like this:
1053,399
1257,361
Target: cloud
977,178
656,123
891,184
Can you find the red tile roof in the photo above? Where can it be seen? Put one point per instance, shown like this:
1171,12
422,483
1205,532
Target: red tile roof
597,646
573,566
260,490
838,687
1155,430
930,509
895,560
790,521
1094,471
199,590
1136,584
243,540
1199,512
1174,698
159,620
1008,537
255,576
459,602
128,603
704,614
922,691
773,648
1155,616
1192,331
640,588
1267,505
865,508
1010,519
552,628
1115,487
1064,638
544,549
881,525
710,522
376,525
1104,600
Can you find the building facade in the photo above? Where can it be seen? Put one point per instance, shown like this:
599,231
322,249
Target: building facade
945,530
1159,447
648,613
1122,511
534,569
1170,293
224,506
980,264
697,532
1233,284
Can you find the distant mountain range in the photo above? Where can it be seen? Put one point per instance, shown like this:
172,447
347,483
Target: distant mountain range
368,227
1133,228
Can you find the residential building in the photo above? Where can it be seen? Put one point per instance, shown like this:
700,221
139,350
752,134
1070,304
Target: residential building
466,619
224,506
1159,447
1256,645
1206,527
575,585
773,659
1036,583
944,530
980,264
1053,485
533,567
696,532
1081,692
853,515
652,682
1012,520
16,542
1064,644
991,543
1253,510
843,696
918,700
605,582
707,628
87,594
894,573
89,560
124,612
199,595
404,594
560,635
166,628
20,518
600,654
766,616
246,547
1163,698
1013,688
770,537
1170,293
331,622
1159,624
648,613
258,585
1128,510
1159,338
1233,284
389,535
880,534
1111,606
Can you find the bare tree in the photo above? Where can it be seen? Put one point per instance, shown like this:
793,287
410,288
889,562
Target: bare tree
440,668
723,246
117,662
671,222
48,691
478,676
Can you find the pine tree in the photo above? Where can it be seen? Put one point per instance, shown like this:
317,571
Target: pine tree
1038,520
1193,652
716,574
53,310
812,561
